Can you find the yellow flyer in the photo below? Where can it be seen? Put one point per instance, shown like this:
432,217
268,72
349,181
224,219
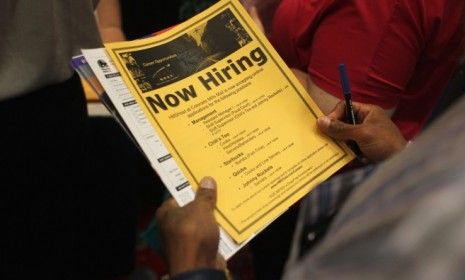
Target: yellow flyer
226,105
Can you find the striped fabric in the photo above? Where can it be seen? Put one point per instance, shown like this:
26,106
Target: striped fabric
405,221
319,208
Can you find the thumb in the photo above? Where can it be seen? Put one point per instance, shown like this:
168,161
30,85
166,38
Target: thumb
207,192
256,18
336,129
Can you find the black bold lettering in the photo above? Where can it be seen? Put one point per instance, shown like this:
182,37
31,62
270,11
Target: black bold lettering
258,56
187,92
172,100
234,67
156,103
207,81
241,61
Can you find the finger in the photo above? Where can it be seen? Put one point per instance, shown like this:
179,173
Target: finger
256,18
337,129
339,111
361,110
165,207
207,192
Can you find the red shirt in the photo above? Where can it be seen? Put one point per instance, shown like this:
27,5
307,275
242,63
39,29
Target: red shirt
398,53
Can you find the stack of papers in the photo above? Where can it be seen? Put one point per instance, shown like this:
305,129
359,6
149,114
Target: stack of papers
211,97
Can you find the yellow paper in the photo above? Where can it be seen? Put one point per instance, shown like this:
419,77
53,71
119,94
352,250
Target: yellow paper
226,105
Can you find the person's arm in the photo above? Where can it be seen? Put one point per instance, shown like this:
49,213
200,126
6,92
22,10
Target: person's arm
381,49
262,12
108,15
376,135
325,101
190,236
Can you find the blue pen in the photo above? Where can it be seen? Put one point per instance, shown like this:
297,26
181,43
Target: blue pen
350,116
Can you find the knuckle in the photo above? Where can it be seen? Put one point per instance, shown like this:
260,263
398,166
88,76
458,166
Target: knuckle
209,198
335,127
164,208
366,135
188,228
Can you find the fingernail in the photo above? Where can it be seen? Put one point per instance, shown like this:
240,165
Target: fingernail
207,183
324,121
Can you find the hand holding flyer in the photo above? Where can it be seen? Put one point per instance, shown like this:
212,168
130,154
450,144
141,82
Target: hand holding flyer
226,105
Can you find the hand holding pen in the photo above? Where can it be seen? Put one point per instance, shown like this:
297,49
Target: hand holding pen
350,116
373,134
349,109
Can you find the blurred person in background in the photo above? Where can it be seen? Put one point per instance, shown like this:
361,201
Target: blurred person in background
399,55
64,212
